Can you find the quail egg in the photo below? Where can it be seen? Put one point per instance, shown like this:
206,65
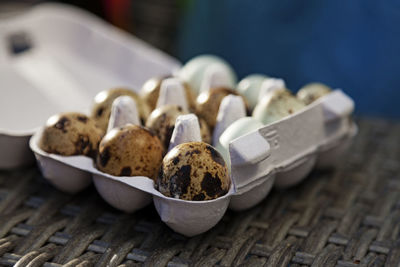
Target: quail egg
70,134
195,70
250,87
312,91
237,129
151,91
193,171
101,108
162,122
208,104
277,105
130,150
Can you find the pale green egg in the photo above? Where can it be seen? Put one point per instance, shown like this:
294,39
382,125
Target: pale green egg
237,129
194,70
250,86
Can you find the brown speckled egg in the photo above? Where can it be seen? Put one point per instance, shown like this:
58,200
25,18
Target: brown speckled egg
70,134
101,108
312,91
208,104
131,150
193,171
151,91
162,122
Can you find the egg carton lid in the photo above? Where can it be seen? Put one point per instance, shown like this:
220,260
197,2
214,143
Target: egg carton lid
43,75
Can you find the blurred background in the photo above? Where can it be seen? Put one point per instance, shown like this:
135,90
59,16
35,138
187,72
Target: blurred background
351,45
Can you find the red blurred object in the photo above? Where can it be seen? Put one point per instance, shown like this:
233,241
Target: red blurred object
118,13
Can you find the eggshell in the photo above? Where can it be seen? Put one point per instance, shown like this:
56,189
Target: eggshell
250,86
237,129
101,107
193,171
130,150
270,85
162,122
194,71
70,133
312,91
208,104
276,105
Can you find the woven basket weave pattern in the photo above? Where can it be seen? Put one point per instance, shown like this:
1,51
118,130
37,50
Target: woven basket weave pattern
346,217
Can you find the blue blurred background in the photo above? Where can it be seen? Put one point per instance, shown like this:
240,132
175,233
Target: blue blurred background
351,45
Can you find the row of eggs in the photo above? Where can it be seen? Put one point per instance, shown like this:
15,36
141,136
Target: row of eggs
113,134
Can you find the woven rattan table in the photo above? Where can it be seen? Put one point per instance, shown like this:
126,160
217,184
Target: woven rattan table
349,216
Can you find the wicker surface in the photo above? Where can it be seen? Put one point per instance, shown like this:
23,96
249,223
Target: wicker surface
346,217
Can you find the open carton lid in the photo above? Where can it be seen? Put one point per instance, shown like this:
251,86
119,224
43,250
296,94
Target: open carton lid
64,73
43,75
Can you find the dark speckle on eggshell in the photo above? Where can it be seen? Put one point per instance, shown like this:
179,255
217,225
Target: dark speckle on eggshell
199,197
82,144
61,123
191,172
104,156
175,160
130,151
71,133
216,156
99,112
162,122
181,180
211,185
82,119
126,171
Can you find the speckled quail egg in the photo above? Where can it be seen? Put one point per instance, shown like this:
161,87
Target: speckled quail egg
277,105
151,91
312,91
193,171
101,108
70,134
130,150
208,104
162,122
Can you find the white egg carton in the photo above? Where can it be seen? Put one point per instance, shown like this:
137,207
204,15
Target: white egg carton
282,154
73,56
91,56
